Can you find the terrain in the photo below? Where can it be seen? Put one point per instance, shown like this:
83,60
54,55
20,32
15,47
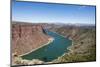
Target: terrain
27,37
83,47
83,38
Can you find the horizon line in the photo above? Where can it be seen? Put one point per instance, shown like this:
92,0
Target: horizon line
52,22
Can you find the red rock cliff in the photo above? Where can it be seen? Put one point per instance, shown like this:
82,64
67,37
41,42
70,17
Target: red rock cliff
26,37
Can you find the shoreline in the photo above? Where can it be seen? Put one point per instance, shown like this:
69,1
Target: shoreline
68,48
59,34
50,40
53,61
62,35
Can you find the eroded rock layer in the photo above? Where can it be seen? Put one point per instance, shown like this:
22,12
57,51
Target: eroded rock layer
26,37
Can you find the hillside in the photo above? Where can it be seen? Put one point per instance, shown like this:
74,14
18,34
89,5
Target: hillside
84,43
26,37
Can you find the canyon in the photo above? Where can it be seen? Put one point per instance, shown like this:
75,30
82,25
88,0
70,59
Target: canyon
26,37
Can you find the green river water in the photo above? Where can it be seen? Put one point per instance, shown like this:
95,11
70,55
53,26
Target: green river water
51,51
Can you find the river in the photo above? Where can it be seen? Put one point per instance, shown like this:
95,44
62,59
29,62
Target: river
51,51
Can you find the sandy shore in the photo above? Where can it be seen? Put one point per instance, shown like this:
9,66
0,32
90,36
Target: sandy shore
49,41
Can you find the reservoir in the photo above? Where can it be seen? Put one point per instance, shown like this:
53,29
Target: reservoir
51,51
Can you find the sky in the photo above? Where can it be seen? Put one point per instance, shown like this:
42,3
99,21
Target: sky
52,13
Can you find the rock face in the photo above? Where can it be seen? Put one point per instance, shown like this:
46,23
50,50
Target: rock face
26,37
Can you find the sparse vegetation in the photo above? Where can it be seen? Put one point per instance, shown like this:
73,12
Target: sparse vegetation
84,44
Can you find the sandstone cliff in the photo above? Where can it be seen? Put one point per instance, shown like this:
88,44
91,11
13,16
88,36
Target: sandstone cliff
26,37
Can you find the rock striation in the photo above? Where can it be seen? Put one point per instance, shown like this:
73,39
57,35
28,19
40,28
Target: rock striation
26,37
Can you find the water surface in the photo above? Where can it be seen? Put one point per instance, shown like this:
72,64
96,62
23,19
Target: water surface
51,51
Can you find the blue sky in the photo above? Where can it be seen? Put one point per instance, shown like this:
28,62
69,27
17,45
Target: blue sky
57,13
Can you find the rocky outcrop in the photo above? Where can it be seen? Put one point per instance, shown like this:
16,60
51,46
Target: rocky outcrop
83,47
26,37
20,61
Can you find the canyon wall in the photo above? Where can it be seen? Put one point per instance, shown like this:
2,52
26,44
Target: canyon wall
26,37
